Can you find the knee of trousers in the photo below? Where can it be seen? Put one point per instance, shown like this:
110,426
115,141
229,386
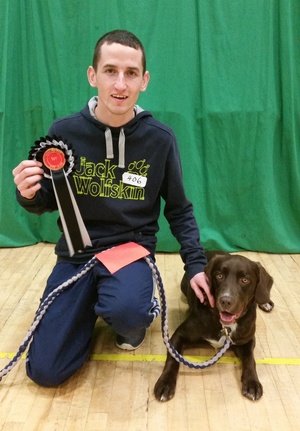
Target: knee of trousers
125,320
43,379
44,376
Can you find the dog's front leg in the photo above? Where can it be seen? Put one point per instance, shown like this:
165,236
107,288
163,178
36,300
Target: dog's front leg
165,386
251,386
189,333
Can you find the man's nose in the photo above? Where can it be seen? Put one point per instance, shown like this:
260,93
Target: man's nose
120,81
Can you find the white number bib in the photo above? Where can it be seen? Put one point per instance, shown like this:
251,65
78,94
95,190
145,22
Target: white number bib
134,180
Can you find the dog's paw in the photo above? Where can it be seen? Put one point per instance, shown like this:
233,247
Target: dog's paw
164,389
267,306
252,389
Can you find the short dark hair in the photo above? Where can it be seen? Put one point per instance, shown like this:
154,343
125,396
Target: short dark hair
123,37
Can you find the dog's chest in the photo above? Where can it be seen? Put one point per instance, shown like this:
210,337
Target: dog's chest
220,340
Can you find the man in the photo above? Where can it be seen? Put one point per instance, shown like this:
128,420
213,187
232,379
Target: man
113,139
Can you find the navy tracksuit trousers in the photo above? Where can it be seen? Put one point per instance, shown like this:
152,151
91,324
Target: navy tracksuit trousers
61,342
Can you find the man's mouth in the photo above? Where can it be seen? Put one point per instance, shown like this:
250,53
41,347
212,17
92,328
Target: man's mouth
116,96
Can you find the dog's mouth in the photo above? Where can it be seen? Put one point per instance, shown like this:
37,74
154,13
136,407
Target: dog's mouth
228,318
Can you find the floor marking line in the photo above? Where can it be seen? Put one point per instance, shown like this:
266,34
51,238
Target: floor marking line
129,357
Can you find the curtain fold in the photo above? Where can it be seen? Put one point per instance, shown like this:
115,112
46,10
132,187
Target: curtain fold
225,75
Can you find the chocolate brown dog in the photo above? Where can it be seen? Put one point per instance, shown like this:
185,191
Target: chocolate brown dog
238,285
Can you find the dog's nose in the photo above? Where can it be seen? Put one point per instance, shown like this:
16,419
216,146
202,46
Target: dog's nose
225,301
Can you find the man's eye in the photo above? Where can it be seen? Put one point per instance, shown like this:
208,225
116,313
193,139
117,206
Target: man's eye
110,71
131,73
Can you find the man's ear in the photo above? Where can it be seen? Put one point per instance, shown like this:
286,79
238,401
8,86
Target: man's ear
146,80
91,75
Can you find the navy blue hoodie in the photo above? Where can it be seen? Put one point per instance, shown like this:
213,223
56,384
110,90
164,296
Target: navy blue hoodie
115,212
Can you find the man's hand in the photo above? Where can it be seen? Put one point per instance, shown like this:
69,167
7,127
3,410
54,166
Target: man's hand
27,176
199,284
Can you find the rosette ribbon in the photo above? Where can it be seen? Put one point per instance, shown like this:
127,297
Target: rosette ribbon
58,162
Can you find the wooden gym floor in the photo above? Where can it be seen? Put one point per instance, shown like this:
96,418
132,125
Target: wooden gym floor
114,389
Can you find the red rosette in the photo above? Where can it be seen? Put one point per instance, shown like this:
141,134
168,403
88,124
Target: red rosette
55,154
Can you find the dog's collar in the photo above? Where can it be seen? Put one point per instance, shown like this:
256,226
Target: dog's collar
226,331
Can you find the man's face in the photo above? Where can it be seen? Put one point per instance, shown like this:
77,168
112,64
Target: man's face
119,79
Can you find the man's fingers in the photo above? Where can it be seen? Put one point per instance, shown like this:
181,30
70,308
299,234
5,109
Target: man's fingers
25,164
27,176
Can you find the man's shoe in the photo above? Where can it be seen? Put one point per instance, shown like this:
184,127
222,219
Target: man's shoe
131,343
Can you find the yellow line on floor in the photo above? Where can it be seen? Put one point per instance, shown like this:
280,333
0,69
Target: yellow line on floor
133,357
161,358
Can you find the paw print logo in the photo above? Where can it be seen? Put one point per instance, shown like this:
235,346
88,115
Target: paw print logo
139,168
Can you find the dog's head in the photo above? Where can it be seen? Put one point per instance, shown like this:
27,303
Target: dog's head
235,283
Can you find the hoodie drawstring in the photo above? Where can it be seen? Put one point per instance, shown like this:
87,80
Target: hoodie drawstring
122,149
109,146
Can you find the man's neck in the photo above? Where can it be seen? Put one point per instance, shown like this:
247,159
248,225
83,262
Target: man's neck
114,120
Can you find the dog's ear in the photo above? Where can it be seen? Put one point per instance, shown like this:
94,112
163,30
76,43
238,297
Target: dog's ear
263,288
210,266
184,285
208,269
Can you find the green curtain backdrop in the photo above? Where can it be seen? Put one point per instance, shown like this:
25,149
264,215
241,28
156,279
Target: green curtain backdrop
225,74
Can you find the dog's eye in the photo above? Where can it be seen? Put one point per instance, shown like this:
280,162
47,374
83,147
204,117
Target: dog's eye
219,276
245,280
